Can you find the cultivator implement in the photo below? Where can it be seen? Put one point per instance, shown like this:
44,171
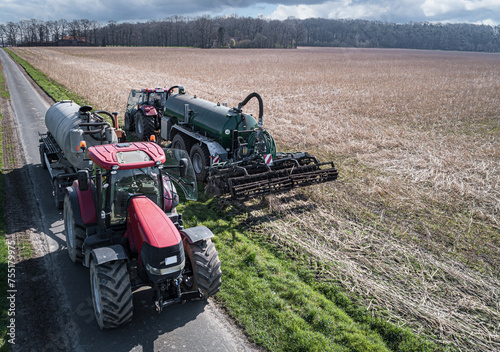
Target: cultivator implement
256,178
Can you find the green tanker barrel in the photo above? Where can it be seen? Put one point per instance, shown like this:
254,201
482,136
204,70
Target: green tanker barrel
208,118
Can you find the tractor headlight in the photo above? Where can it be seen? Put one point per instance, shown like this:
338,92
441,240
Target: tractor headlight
154,271
164,271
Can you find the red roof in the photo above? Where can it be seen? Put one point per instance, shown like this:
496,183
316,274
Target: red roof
127,155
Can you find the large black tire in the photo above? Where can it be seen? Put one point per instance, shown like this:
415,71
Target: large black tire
42,156
74,235
200,157
181,142
129,123
202,267
58,194
144,126
111,294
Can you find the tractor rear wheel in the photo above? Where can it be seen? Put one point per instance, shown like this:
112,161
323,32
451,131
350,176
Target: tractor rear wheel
129,123
144,126
200,158
202,267
74,235
111,293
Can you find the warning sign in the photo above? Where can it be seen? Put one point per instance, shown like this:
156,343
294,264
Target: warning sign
268,159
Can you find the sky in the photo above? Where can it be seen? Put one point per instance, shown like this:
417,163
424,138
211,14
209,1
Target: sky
397,11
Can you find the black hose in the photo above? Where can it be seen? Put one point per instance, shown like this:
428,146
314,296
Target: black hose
261,105
169,91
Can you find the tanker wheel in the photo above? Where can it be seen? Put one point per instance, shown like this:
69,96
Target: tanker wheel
129,123
42,156
144,126
111,293
74,235
201,161
202,269
58,197
180,142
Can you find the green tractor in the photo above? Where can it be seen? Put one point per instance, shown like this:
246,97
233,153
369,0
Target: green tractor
231,150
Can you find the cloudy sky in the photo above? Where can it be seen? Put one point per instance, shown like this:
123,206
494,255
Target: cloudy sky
399,11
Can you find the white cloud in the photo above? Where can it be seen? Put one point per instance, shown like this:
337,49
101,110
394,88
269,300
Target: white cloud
402,11
384,10
442,7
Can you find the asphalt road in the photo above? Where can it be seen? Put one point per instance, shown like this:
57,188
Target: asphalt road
194,326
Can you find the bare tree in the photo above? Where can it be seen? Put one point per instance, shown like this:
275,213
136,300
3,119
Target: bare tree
204,31
64,28
85,29
11,31
3,34
74,29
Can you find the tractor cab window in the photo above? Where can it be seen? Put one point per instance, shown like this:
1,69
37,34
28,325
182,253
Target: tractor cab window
127,183
136,97
157,99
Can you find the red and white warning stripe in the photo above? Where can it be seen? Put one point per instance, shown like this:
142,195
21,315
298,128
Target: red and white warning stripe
215,159
268,159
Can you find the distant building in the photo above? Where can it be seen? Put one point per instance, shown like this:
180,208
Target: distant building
70,40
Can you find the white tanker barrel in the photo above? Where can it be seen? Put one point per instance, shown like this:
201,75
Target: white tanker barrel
69,124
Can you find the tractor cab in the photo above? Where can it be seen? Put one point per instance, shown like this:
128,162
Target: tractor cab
144,111
134,169
154,97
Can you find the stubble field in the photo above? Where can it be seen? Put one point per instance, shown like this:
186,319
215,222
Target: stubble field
411,227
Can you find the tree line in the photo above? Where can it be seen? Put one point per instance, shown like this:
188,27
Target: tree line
246,32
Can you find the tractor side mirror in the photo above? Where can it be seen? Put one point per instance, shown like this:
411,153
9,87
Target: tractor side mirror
183,166
83,180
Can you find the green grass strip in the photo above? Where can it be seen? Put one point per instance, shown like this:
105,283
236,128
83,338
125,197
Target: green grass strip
4,304
278,301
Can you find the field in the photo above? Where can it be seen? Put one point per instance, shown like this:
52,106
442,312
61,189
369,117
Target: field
411,228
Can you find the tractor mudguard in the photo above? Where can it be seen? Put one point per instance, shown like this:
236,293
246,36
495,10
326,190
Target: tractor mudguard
198,233
87,204
73,197
148,110
83,204
106,254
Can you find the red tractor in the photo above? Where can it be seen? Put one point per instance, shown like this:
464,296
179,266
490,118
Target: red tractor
144,111
120,221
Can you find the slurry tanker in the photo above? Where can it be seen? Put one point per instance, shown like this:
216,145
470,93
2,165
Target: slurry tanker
230,149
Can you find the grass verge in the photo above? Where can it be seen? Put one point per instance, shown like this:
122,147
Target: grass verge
274,297
4,346
279,302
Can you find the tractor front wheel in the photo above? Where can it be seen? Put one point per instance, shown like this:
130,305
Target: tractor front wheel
202,267
201,161
74,235
111,293
144,126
